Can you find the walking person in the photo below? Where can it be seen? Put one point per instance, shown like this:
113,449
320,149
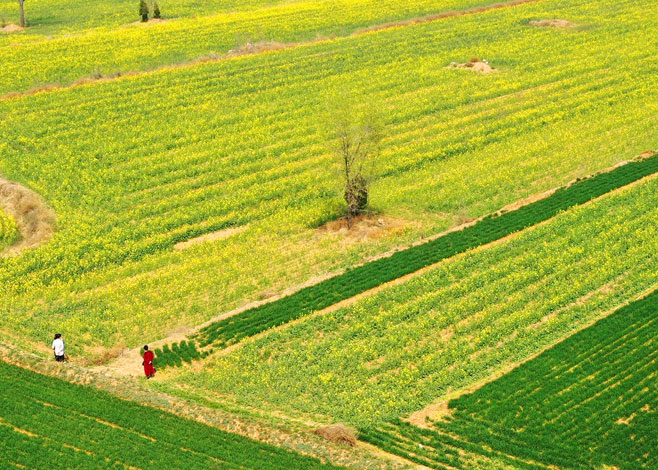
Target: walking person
58,347
149,370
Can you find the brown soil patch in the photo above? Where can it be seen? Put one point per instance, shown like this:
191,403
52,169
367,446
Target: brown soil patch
475,64
553,24
337,433
11,28
35,220
209,237
365,227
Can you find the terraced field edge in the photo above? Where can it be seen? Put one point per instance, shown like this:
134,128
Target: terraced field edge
226,332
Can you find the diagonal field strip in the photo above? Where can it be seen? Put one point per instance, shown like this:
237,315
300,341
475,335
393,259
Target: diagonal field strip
259,49
228,331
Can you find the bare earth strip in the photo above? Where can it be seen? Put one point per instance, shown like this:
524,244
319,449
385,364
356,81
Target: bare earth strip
259,48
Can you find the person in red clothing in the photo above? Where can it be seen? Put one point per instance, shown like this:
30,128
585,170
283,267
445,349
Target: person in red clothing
149,370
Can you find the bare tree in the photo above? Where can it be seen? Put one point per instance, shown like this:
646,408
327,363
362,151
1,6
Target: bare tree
357,136
21,4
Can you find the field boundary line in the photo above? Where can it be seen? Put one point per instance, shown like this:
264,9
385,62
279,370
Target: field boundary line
251,49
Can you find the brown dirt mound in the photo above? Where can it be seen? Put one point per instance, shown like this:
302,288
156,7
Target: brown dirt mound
337,433
553,24
36,221
11,28
475,64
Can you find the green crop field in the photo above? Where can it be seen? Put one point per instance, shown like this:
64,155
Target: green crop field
48,423
8,230
400,349
589,402
494,308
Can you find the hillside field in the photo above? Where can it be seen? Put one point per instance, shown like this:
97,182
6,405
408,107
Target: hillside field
178,183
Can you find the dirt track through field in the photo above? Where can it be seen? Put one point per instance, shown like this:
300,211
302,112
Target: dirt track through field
263,47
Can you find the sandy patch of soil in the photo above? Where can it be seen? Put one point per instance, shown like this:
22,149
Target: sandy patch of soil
480,66
553,23
209,237
11,28
36,221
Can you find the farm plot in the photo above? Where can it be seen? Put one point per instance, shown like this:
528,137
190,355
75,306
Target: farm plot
135,166
47,423
33,59
326,293
401,349
589,402
8,230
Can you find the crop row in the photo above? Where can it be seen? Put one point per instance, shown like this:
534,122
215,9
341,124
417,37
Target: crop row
588,402
242,143
8,230
404,347
46,423
324,294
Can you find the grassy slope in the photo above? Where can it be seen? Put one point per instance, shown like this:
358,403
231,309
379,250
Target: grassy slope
407,346
46,423
31,58
135,165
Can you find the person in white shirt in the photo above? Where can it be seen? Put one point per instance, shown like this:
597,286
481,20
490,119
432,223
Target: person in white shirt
58,347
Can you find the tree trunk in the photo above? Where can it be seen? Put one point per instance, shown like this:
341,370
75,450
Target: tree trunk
21,2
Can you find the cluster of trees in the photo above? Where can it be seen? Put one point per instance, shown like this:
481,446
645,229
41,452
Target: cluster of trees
145,10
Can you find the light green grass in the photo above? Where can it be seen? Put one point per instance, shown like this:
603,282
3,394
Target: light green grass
410,345
135,165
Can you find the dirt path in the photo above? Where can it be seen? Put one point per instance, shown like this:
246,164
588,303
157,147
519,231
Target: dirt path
262,47
36,221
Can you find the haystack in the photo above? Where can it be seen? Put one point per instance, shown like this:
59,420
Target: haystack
337,433
475,64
